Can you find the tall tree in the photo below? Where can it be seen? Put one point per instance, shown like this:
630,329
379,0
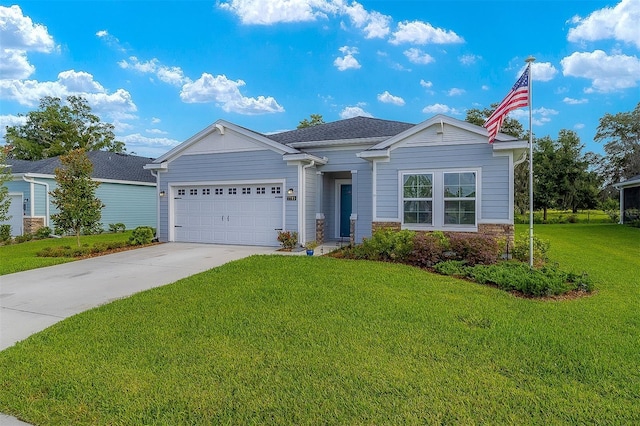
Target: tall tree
314,120
621,136
56,129
78,206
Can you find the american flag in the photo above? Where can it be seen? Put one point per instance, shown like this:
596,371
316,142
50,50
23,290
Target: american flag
518,97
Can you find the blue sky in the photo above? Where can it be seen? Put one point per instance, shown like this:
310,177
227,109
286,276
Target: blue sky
161,71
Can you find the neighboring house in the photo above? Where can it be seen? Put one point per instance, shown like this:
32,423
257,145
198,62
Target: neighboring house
126,188
340,180
629,199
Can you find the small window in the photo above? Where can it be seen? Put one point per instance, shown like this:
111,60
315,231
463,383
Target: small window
460,198
232,191
246,191
261,190
181,192
219,191
275,189
206,191
417,197
193,192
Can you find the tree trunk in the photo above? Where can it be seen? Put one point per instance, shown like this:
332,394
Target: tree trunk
78,236
544,215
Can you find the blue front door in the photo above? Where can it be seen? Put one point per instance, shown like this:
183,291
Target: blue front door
345,210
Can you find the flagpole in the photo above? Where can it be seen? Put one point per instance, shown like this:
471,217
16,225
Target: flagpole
529,61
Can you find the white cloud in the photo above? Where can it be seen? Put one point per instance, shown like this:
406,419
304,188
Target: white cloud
146,146
110,40
388,98
485,87
226,94
608,73
156,131
469,59
437,109
348,61
426,84
417,56
579,126
456,92
170,75
418,32
571,101
620,23
19,35
354,111
29,93
155,120
540,116
374,24
10,120
268,12
542,71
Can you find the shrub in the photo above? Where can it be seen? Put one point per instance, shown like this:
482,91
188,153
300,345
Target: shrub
23,238
451,267
521,249
116,245
44,232
141,235
288,239
5,233
474,248
428,249
117,227
94,229
387,245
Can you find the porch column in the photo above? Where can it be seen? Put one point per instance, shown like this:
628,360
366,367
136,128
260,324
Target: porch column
354,207
319,208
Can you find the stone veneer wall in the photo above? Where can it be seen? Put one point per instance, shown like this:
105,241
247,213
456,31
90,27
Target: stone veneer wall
32,224
319,231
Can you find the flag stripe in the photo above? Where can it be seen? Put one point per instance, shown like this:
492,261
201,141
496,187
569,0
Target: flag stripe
518,97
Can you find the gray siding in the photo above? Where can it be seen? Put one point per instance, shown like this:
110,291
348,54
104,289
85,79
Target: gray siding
310,203
493,186
230,166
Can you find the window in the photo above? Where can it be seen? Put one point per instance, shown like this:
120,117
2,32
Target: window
460,198
417,197
219,191
206,191
232,191
439,199
181,192
246,191
193,192
275,189
261,190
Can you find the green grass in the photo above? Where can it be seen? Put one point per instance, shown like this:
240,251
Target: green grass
22,257
301,340
559,216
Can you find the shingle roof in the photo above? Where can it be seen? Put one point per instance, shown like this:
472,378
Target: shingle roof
106,165
351,128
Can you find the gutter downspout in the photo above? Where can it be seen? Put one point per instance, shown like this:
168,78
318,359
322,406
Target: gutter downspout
32,207
303,225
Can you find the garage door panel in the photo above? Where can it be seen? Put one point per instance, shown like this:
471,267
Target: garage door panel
229,214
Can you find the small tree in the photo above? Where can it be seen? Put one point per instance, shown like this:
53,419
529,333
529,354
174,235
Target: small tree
75,195
315,120
5,176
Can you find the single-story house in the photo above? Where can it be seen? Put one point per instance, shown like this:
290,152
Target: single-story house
127,190
629,199
339,180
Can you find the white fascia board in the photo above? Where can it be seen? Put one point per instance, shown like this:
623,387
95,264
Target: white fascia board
155,166
305,157
374,155
511,145
627,183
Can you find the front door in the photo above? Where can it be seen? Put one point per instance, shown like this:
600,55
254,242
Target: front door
345,210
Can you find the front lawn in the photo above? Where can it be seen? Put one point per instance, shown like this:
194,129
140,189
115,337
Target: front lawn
315,340
23,256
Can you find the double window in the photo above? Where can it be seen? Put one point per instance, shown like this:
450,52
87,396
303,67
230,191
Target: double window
439,199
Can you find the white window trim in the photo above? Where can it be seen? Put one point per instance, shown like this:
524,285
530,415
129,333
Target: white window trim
432,199
438,200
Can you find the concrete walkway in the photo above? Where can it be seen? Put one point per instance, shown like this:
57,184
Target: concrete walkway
33,300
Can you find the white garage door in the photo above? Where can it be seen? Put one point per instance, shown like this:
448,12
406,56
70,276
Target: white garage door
228,214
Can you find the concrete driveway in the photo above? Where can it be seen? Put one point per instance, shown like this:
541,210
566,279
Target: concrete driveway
33,300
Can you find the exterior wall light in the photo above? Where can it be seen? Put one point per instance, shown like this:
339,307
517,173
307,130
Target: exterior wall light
290,191
162,193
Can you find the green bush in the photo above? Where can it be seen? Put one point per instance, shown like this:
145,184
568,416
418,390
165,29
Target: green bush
23,238
44,232
5,233
452,268
387,245
117,244
117,227
141,235
474,248
428,249
521,249
288,239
